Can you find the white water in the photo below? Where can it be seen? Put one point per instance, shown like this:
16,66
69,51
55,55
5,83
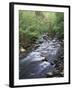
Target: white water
48,49
38,62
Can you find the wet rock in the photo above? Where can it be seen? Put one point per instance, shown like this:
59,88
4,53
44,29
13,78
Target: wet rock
56,72
45,37
49,74
40,42
36,46
44,54
62,73
52,63
44,59
22,49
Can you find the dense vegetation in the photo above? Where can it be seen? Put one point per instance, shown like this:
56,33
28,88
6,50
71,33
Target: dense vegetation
33,24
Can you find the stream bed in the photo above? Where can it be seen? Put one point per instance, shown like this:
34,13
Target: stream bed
44,61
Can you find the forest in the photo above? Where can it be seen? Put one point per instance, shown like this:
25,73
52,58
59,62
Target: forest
35,25
32,24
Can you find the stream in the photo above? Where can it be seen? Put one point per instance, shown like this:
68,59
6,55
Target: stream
39,63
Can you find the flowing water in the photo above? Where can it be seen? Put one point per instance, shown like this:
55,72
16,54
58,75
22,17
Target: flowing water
39,62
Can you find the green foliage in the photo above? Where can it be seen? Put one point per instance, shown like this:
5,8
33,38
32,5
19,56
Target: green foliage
33,24
59,25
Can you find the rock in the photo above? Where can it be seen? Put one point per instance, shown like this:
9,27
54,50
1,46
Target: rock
62,73
40,42
45,37
22,49
36,46
49,74
44,54
56,72
52,63
44,59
